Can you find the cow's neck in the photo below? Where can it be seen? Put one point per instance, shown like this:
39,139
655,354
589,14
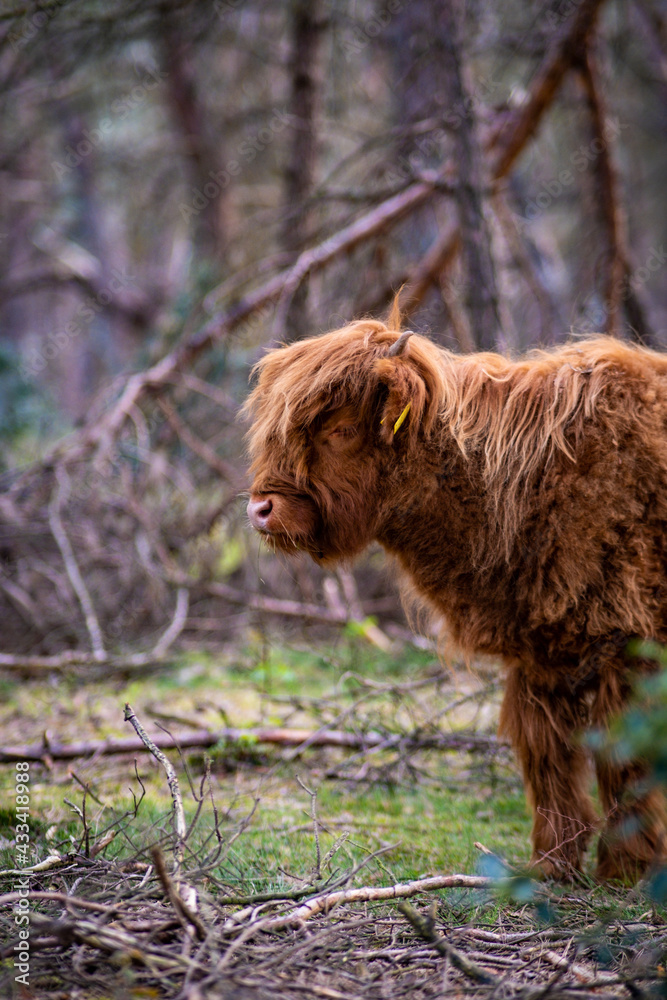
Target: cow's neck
443,507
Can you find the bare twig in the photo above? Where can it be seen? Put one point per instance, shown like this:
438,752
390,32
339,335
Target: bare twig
171,634
199,447
316,874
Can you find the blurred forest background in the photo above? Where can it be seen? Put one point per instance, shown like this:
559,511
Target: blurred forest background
184,183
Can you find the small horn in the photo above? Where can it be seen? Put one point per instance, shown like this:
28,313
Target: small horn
398,347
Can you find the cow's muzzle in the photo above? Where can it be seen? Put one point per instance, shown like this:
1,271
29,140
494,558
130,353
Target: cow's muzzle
291,522
260,511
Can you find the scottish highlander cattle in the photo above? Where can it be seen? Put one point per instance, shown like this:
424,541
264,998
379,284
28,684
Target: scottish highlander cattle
525,502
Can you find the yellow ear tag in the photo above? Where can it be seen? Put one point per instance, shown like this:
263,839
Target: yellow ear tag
399,422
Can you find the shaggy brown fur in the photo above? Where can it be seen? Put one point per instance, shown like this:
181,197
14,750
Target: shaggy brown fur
526,501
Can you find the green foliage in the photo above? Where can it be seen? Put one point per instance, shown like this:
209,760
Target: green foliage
355,628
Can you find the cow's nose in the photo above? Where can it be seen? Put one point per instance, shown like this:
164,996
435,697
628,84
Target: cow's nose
259,512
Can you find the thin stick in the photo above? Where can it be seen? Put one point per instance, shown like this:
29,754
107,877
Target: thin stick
180,826
184,911
317,868
425,927
80,589
198,446
175,628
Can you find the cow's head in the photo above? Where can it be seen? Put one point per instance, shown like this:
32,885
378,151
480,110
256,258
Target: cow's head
332,418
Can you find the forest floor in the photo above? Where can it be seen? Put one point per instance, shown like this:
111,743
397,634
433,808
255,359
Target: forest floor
281,883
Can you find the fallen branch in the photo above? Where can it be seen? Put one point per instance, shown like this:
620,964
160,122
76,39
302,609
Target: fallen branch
425,927
583,974
327,901
115,940
277,605
203,738
376,893
40,665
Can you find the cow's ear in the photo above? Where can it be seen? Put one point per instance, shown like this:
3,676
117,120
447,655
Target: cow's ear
405,400
413,380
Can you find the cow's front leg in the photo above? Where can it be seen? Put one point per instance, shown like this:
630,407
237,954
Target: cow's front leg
542,725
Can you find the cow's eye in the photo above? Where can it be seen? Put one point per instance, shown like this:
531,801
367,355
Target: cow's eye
342,432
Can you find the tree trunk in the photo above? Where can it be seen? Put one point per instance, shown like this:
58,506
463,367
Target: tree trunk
205,201
481,293
306,29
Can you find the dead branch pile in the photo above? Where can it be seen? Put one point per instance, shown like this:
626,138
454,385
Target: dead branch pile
98,928
97,549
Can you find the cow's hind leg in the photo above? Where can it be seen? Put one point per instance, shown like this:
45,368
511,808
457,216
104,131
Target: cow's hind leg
634,835
542,723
